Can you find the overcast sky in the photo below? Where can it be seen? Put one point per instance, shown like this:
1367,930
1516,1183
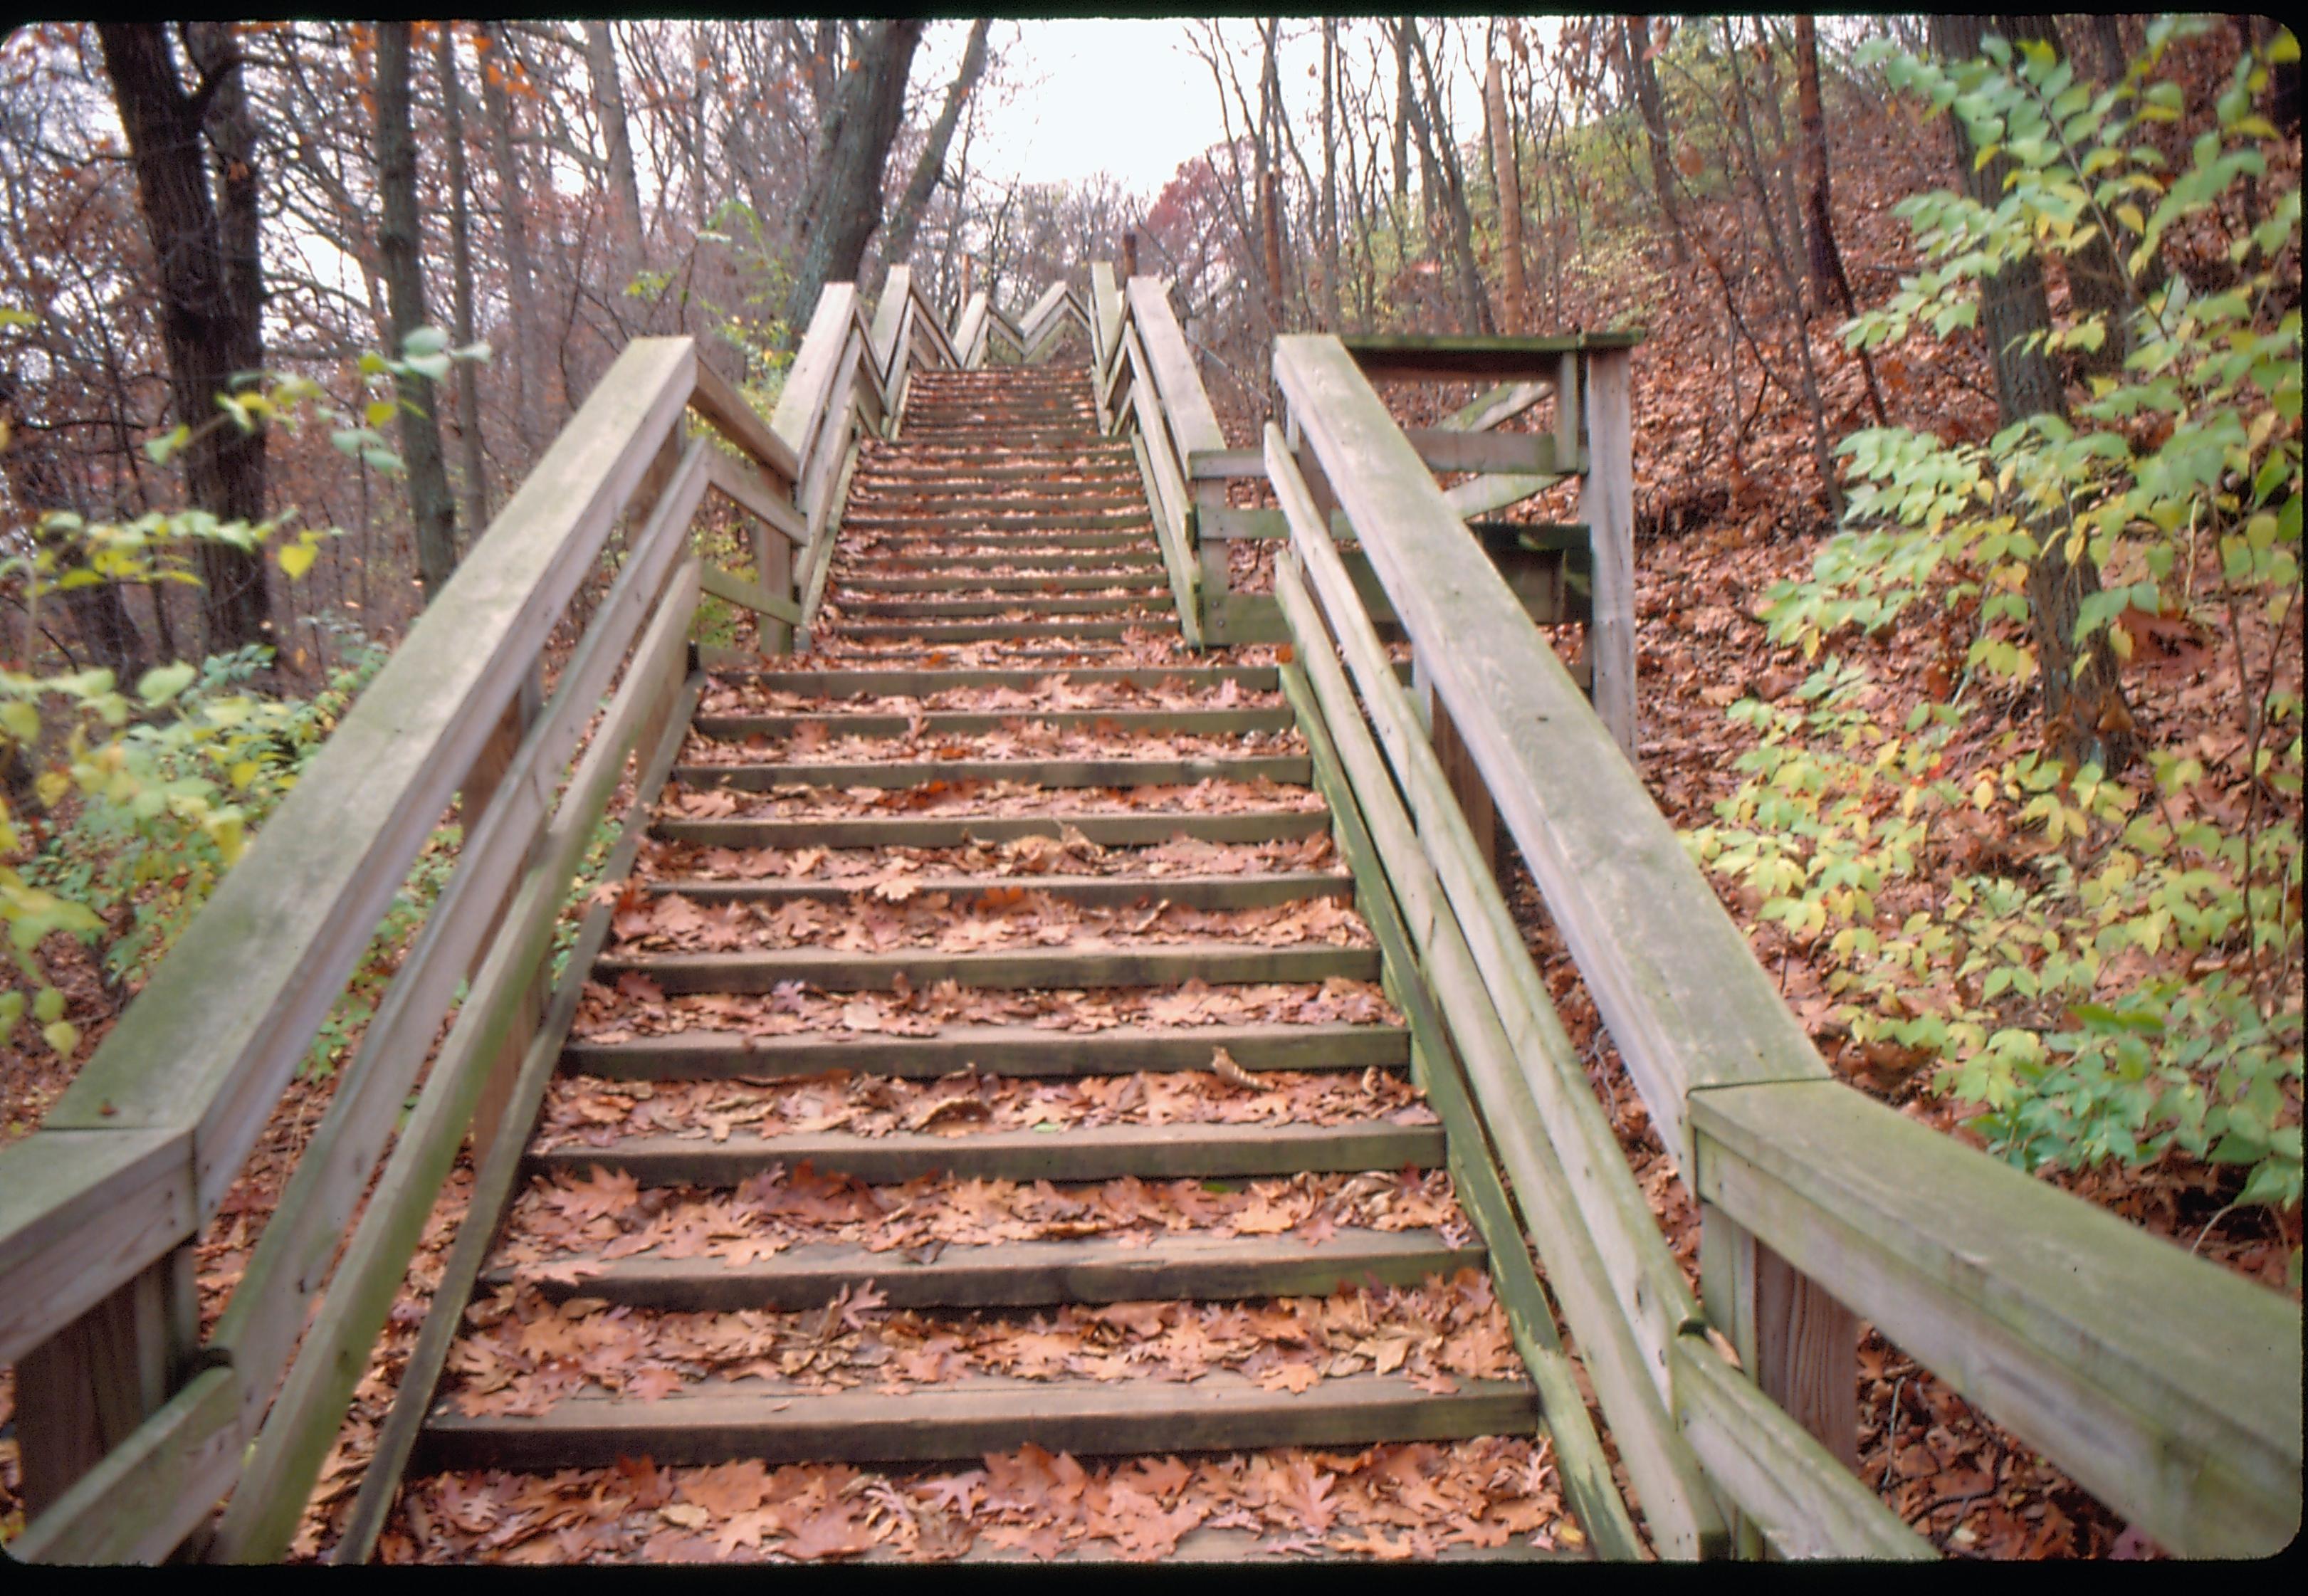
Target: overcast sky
1074,97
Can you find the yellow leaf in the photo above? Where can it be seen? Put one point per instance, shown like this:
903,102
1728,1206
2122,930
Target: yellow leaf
62,1036
296,560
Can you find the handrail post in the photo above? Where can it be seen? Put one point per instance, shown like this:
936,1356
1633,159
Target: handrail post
82,1391
1607,503
1799,1344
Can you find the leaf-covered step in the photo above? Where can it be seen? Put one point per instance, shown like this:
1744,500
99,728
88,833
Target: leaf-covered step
912,831
994,1050
910,683
1025,604
723,1421
968,723
932,633
1245,891
1134,581
1020,1274
1289,770
1060,1153
835,970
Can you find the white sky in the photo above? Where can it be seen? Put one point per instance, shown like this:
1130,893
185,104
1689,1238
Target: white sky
1074,97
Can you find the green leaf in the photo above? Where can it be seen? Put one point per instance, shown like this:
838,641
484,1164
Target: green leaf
164,682
424,340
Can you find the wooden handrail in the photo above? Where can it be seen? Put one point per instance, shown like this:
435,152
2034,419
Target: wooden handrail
99,1208
2162,1382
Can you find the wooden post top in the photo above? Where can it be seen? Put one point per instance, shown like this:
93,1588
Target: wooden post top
1452,356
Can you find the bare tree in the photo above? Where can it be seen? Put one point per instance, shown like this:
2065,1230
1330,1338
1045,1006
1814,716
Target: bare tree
400,244
212,304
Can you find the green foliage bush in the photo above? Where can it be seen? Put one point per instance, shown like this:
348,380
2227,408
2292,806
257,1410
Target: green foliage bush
2110,969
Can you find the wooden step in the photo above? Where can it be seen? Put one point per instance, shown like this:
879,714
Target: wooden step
933,633
970,723
1022,1273
1053,514
884,542
1035,604
1119,891
910,683
1283,769
1105,565
1129,964
1020,1050
718,1422
1133,580
1187,1152
915,830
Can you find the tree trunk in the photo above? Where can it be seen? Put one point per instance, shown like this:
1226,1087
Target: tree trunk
1511,312
899,241
846,204
1825,259
1642,77
2084,716
513,228
1329,225
625,187
475,484
399,248
1437,148
1402,26
210,298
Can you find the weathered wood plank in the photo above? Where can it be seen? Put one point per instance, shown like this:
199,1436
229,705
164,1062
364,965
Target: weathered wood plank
1800,1495
1220,1412
1674,980
816,369
144,1496
500,1166
1193,426
2165,1385
1158,964
1487,494
1094,1152
1285,768
751,492
261,1322
281,933
1650,1286
993,1049
1501,403
1607,503
1454,357
736,589
1580,1461
900,682
911,831
889,312
1450,449
1676,1500
1026,1273
289,1450
727,412
127,1196
1187,891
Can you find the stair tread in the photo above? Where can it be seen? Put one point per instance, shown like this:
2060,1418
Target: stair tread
1009,1274
996,1050
1081,1153
719,1420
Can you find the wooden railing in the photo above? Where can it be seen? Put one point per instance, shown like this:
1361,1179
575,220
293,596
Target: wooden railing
1148,391
2164,1384
133,1426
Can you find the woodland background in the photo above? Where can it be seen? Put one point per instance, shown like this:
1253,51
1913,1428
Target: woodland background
2081,949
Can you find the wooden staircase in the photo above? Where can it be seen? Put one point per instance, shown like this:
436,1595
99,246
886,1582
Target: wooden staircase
1080,1078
